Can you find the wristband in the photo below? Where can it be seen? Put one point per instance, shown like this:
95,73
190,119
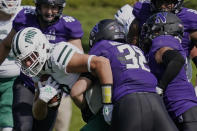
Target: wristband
106,93
89,61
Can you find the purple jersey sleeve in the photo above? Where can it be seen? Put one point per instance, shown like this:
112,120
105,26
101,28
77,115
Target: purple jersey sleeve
100,49
141,11
72,27
25,18
189,18
166,41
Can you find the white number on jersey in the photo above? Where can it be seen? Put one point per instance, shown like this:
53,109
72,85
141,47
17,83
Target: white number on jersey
29,9
136,55
68,19
193,11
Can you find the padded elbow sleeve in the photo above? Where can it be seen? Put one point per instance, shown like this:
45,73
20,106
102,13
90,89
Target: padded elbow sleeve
172,56
173,62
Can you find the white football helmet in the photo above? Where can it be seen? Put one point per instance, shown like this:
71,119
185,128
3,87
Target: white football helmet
9,6
30,47
125,16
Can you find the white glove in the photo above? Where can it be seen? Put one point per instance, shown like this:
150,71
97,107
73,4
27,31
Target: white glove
125,16
49,90
107,113
159,90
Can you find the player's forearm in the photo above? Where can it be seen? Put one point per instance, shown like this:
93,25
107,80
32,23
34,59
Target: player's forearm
104,73
78,90
40,109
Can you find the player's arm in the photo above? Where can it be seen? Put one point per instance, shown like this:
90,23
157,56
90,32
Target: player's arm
133,34
97,65
39,109
77,91
77,43
173,62
5,45
193,53
44,94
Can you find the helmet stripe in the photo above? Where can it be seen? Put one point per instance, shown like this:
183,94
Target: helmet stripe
13,51
62,52
13,46
67,56
17,47
16,43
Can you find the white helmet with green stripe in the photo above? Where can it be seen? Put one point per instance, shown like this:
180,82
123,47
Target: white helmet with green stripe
30,47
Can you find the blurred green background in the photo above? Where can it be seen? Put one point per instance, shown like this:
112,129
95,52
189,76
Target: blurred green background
89,12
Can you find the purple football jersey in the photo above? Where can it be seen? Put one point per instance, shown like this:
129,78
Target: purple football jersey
129,67
189,19
142,11
66,28
180,95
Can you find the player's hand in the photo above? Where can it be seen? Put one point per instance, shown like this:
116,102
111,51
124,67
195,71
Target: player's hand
49,90
107,113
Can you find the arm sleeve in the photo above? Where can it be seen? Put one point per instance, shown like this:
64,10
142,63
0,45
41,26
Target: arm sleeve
173,62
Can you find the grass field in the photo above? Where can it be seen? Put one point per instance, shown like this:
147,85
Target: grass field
89,16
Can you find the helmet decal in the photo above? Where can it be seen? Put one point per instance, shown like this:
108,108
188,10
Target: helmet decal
161,17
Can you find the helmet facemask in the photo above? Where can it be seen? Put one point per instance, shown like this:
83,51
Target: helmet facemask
9,6
166,5
35,64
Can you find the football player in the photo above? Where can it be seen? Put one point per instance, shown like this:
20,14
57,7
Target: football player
62,62
143,10
135,105
8,69
161,39
48,17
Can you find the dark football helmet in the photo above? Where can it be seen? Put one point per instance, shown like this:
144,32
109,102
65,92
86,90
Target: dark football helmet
156,5
107,29
60,3
162,23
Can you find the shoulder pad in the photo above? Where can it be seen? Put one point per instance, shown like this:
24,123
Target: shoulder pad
189,18
72,26
61,54
141,10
